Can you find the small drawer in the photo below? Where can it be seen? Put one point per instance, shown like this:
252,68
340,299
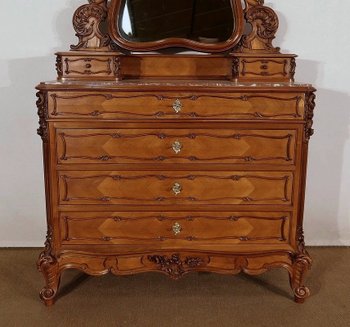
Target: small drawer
81,146
175,188
91,67
194,106
266,69
175,229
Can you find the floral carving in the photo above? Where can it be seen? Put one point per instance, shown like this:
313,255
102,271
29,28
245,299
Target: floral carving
59,66
42,113
235,67
293,66
86,22
309,115
174,266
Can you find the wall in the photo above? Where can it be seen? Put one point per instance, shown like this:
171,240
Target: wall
317,30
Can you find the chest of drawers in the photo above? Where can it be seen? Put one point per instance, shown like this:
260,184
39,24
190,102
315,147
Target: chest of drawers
175,175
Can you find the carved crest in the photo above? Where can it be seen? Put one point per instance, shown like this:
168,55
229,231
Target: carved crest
86,21
264,23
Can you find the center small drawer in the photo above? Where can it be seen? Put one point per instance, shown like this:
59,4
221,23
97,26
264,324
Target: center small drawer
81,146
175,188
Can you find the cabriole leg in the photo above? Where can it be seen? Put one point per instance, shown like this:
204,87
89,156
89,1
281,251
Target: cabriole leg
301,264
48,266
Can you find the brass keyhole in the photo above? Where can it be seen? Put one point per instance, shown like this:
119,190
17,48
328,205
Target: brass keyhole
177,106
177,147
177,188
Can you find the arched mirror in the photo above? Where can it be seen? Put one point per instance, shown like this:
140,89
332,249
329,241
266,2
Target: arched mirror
202,25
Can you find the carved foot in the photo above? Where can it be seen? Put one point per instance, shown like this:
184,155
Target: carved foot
48,266
301,264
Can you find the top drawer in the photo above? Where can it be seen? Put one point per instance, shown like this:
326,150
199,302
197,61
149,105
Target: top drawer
156,105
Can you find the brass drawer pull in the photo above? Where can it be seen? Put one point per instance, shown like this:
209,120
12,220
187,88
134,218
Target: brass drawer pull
177,106
177,188
177,228
177,147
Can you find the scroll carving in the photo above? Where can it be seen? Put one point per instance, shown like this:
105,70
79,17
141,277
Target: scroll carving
86,21
309,115
59,66
43,114
264,23
302,263
48,265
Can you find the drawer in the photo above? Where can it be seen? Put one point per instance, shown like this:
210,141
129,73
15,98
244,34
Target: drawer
174,188
195,106
76,146
171,229
78,66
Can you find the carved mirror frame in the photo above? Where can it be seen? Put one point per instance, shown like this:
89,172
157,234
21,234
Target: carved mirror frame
115,15
89,19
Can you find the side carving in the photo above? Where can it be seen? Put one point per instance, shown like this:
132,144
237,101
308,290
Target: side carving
43,114
59,66
309,115
49,267
86,21
264,23
174,266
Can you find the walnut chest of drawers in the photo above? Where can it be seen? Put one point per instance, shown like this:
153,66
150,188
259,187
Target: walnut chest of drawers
176,175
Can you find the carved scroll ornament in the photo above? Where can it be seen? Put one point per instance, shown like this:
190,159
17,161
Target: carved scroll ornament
86,22
42,113
264,23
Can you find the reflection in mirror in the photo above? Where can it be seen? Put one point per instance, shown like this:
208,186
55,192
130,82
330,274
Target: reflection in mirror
205,21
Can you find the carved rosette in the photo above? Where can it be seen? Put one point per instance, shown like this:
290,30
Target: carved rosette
43,114
175,267
264,23
309,115
86,22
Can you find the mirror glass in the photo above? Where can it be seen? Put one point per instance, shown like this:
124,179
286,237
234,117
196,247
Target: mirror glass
204,21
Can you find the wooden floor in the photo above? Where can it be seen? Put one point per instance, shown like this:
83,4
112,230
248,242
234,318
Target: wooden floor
197,300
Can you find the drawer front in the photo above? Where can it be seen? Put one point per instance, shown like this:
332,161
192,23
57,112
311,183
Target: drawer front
174,188
159,106
73,67
175,146
266,69
171,229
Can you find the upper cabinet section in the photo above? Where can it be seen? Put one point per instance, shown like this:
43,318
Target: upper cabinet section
143,25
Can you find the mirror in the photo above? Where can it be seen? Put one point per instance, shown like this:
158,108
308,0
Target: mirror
203,25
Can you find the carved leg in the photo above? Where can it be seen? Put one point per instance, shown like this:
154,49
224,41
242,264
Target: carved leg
48,266
301,264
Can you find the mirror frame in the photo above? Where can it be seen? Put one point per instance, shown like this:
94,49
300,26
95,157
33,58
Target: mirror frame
114,17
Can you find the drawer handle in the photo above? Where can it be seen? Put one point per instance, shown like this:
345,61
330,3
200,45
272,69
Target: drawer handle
177,147
177,106
177,188
177,228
